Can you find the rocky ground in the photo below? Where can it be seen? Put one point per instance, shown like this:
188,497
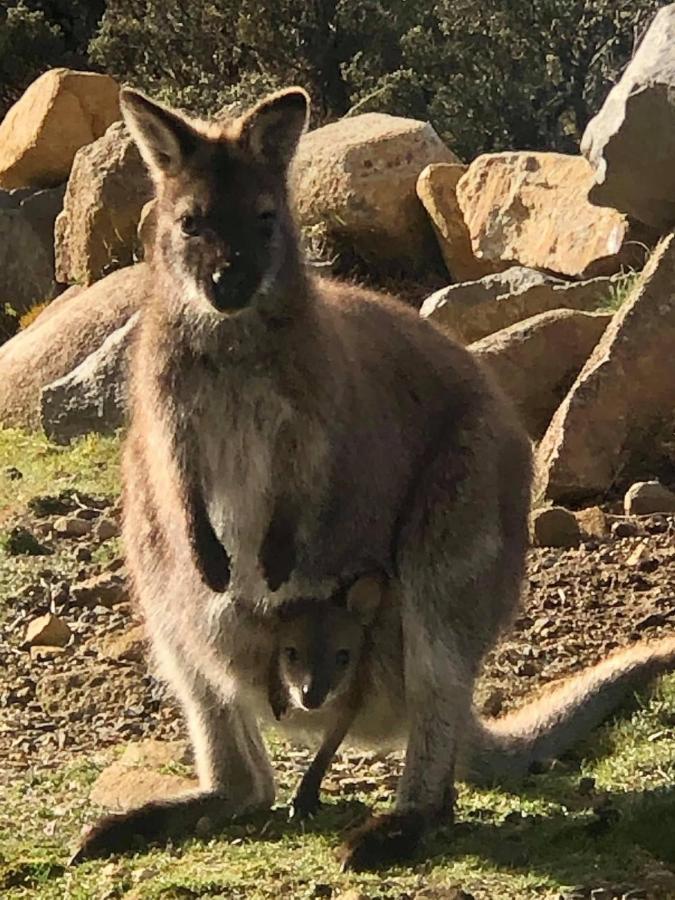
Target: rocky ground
98,690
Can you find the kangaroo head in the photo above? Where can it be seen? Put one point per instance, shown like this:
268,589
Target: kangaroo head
225,233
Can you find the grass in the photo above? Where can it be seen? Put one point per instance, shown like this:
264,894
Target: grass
541,841
618,292
551,834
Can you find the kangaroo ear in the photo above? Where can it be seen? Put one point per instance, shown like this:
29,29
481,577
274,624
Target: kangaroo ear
272,129
165,140
364,598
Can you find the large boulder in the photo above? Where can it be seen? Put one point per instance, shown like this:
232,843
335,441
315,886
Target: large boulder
93,397
72,327
60,112
356,178
437,190
536,361
107,188
473,310
631,141
533,209
617,419
27,248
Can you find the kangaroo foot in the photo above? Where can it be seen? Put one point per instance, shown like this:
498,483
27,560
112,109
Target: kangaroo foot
382,841
155,822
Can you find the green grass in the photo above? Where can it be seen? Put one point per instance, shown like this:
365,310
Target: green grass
540,841
91,465
618,292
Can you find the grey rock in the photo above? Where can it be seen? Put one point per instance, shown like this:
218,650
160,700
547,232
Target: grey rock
91,398
631,141
645,498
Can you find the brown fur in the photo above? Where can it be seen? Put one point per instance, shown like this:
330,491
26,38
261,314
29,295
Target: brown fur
287,434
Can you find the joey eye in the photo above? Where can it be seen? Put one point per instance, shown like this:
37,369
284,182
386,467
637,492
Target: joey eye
267,216
342,658
189,225
291,654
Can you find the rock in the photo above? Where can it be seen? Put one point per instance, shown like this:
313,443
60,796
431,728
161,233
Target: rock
119,787
476,309
107,189
48,631
555,526
631,141
22,542
536,361
611,420
532,209
357,178
624,529
128,646
106,590
60,112
593,522
91,398
107,529
72,327
155,754
72,527
437,190
647,497
137,777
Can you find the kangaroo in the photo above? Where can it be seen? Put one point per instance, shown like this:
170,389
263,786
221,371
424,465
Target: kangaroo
288,432
321,661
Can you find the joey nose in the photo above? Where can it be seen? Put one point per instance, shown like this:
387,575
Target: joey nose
313,695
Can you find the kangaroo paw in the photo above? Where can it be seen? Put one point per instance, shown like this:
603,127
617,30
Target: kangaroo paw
382,841
155,822
304,805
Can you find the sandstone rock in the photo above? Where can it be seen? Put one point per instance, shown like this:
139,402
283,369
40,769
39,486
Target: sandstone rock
437,190
72,327
624,529
532,209
71,527
473,310
27,275
555,526
156,754
593,521
91,398
60,112
537,360
128,646
48,631
137,777
106,529
647,497
120,787
357,177
104,590
623,398
631,141
107,189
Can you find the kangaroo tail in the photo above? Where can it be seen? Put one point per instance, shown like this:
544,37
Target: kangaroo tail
506,748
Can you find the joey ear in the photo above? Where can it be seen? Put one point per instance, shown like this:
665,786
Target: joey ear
364,598
165,140
272,129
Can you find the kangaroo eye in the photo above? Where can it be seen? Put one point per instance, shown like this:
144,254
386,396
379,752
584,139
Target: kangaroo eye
267,216
189,225
291,654
342,658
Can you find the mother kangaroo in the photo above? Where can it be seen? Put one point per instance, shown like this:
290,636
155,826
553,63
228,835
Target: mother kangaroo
287,434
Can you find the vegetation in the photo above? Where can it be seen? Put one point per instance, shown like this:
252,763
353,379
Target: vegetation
492,75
